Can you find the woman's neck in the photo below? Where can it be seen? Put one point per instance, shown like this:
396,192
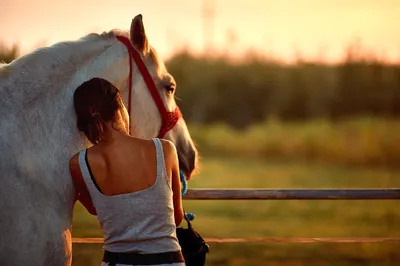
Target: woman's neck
114,132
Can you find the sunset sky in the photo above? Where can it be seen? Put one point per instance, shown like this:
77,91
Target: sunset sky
313,27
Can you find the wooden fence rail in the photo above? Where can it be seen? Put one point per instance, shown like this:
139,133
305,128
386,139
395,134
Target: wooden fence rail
286,194
292,194
97,240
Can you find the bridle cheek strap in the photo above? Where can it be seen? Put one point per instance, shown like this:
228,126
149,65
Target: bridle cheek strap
169,119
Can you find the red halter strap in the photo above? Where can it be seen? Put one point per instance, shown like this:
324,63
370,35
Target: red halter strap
169,119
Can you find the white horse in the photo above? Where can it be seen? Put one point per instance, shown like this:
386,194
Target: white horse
38,136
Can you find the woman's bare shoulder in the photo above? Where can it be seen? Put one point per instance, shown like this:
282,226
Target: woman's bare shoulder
168,147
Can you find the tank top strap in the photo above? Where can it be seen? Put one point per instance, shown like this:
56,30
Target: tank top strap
161,170
82,164
87,173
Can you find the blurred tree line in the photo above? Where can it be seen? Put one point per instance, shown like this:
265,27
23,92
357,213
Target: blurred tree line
7,54
242,93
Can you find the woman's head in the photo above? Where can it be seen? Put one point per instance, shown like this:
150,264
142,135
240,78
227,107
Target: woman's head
98,104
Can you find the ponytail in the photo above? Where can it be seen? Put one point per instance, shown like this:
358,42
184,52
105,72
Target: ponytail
95,128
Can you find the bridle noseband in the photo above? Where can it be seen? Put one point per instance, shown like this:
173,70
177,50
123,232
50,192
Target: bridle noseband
169,119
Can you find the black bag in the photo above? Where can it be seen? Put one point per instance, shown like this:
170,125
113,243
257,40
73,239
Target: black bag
194,248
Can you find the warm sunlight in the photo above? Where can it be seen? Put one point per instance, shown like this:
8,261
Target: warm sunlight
275,124
284,29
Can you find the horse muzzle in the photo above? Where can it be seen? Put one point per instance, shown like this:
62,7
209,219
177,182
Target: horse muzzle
187,160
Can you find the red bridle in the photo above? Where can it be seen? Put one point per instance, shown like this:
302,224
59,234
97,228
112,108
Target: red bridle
168,119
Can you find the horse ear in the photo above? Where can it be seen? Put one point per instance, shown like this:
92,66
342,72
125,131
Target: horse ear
138,35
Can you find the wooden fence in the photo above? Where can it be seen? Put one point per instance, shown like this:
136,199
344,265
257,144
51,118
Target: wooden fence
286,194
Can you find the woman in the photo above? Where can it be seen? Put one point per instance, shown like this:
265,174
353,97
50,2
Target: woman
131,184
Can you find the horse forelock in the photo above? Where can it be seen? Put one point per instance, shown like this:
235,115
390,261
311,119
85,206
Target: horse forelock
152,55
116,32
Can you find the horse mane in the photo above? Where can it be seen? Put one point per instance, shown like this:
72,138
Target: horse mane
38,74
62,53
3,69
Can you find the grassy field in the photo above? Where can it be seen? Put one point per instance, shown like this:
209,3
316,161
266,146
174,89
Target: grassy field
282,218
358,142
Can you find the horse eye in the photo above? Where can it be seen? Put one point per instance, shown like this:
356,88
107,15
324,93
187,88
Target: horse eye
170,88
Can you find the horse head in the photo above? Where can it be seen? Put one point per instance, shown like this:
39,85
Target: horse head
146,118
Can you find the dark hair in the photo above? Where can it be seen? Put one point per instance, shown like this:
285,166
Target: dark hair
96,102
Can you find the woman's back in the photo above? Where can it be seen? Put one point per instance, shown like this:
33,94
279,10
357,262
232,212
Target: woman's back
136,217
124,166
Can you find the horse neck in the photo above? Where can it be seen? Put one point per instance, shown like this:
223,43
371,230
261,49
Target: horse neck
55,72
46,72
40,86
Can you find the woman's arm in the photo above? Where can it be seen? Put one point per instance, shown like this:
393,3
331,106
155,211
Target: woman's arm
173,163
81,191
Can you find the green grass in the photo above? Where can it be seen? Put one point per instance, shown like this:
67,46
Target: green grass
362,141
282,218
